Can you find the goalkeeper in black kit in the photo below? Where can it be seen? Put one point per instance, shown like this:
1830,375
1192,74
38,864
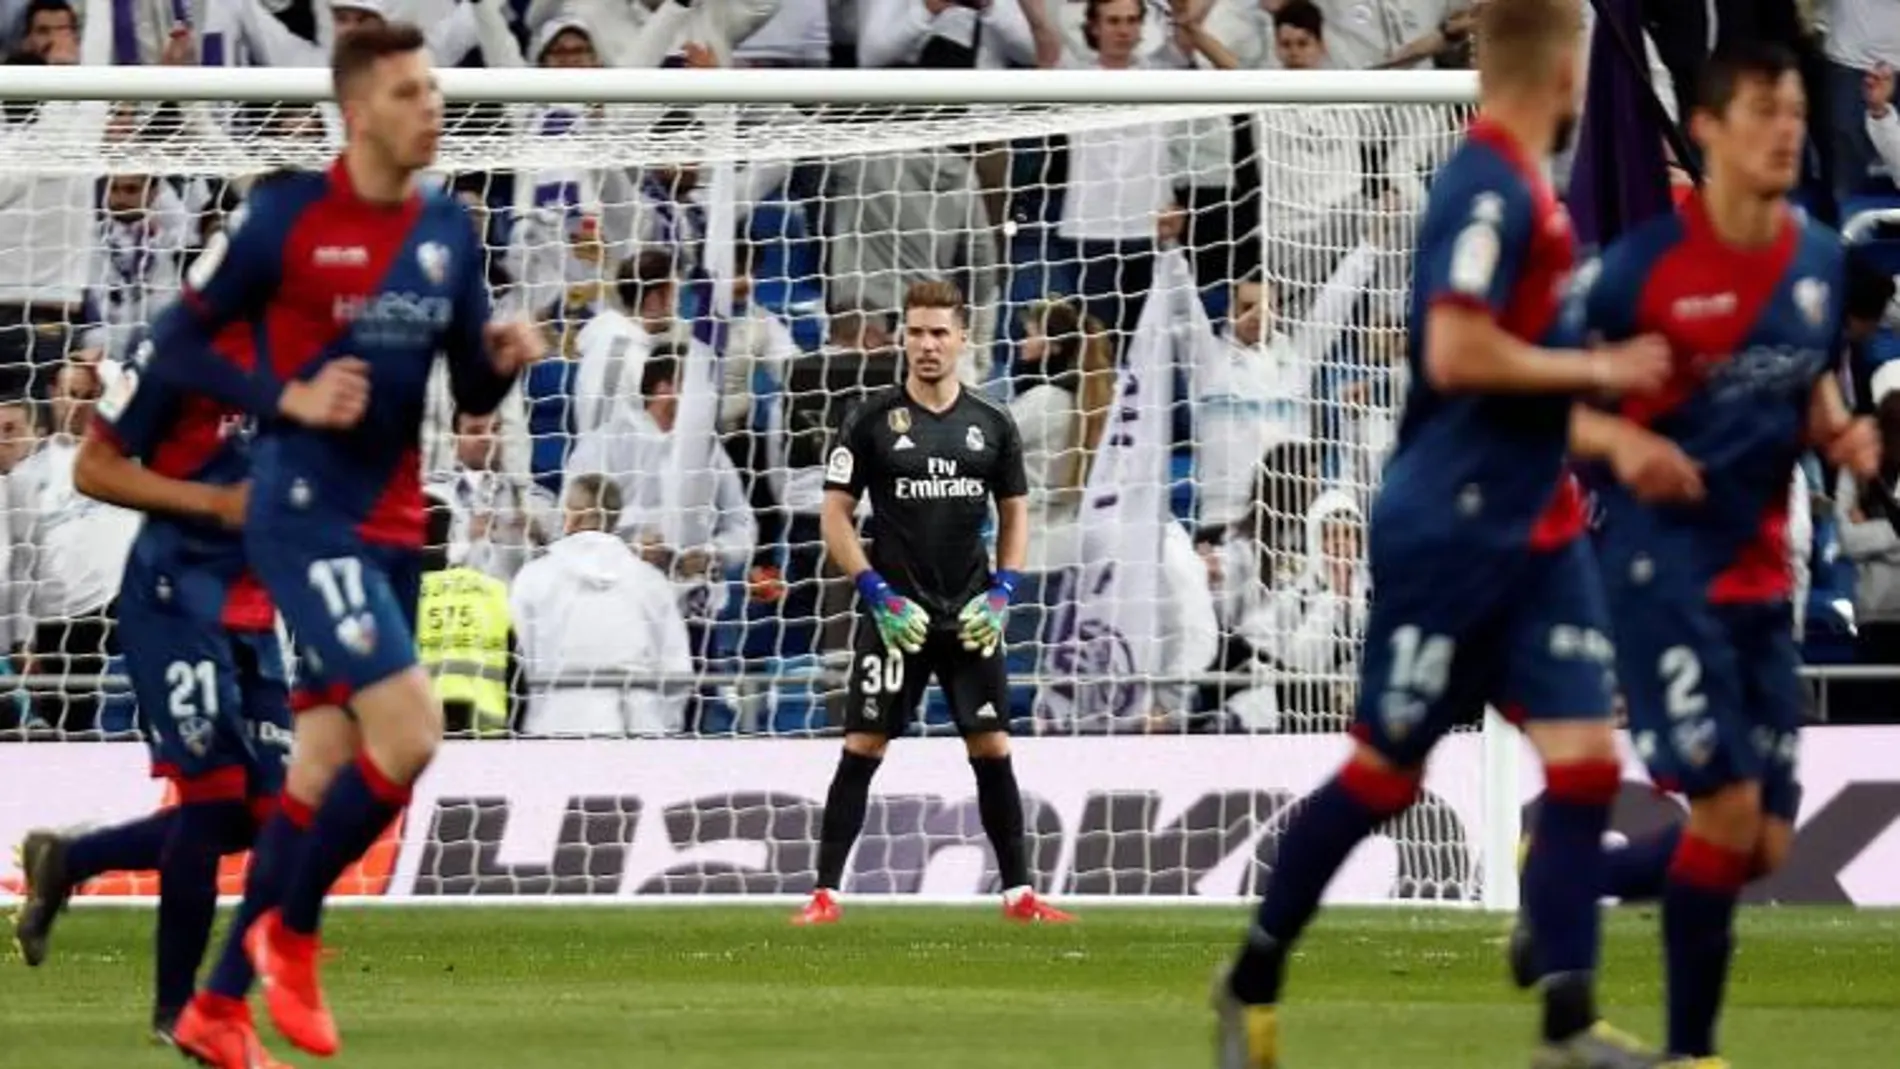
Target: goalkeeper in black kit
932,455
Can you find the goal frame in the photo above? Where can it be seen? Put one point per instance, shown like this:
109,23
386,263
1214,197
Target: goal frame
1501,747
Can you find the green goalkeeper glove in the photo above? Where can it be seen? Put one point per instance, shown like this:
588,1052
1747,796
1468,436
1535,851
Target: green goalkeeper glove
980,624
901,622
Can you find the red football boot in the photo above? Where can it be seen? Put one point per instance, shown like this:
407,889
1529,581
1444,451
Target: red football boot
823,908
1025,907
287,964
217,1032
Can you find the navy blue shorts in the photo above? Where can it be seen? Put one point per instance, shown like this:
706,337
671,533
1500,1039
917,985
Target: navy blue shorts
1714,692
214,703
350,607
1454,631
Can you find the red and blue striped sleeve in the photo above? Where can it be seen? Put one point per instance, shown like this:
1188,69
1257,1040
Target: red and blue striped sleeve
473,381
232,281
1476,239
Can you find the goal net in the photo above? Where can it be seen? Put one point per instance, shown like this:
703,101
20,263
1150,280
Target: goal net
1194,310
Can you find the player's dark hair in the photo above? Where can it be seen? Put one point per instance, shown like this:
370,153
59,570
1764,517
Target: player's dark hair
662,368
1301,15
358,51
1736,64
934,293
641,275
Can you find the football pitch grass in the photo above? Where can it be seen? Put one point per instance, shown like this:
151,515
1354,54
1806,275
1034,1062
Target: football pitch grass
930,988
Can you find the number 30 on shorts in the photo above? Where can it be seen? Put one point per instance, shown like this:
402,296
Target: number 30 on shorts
881,674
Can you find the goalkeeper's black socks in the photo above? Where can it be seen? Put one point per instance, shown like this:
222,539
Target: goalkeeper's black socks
1637,870
1698,924
358,807
272,855
132,847
1000,803
1322,832
845,804
1562,882
201,834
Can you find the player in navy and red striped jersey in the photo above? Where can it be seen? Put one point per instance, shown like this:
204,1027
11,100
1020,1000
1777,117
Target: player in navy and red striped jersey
205,663
349,284
1749,295
1483,591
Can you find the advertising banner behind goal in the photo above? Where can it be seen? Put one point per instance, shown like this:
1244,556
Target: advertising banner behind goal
1117,817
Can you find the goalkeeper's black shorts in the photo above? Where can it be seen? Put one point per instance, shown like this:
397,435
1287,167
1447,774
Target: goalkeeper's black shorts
886,686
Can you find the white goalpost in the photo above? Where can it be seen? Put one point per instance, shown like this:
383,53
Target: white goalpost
1183,661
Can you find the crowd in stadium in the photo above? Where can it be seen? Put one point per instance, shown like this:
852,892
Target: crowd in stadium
1297,225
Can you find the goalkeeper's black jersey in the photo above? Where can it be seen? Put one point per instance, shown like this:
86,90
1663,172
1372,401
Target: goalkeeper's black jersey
931,477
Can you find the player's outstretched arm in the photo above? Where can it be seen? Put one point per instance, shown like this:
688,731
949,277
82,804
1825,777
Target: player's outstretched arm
105,473
1848,441
1653,467
1466,351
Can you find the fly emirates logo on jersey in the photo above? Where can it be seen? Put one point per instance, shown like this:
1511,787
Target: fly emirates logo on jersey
941,482
394,319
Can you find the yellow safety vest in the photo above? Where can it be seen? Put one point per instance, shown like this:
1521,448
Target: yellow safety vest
462,640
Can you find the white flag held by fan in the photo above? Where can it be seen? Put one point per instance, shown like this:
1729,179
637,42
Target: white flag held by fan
1105,635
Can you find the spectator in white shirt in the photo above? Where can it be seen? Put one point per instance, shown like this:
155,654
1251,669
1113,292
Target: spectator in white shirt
1304,631
47,222
1376,33
1883,123
501,517
1862,35
18,435
797,35
588,615
1212,161
1068,367
1251,392
615,342
1311,171
694,543
144,234
66,554
1119,198
572,223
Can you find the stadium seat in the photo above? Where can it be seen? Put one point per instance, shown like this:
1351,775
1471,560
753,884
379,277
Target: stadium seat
1181,493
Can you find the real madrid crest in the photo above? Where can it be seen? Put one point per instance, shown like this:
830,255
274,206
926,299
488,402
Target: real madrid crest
1810,296
974,439
899,419
433,258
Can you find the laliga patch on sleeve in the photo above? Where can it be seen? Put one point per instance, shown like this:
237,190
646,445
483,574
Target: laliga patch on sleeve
205,267
1474,259
841,466
118,392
